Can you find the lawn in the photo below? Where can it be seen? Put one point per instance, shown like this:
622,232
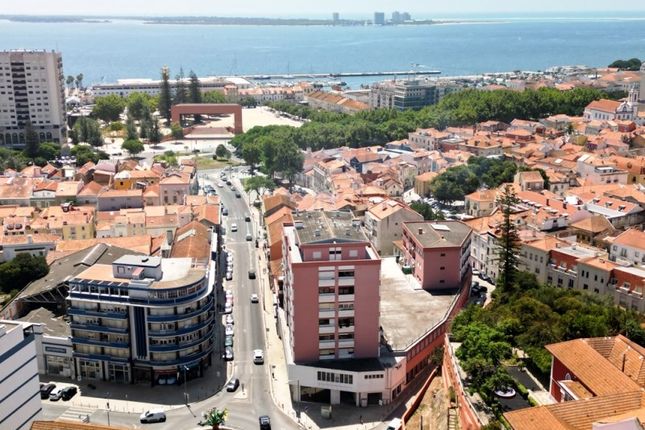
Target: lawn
207,163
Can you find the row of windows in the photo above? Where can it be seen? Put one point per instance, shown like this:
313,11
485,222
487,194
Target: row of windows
376,376
338,378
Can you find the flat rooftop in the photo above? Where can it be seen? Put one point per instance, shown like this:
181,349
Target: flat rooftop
439,234
325,227
407,311
53,325
139,261
176,273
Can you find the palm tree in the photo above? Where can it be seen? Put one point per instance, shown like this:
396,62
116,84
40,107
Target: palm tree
216,417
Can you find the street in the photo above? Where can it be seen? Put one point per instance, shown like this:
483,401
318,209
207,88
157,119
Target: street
253,398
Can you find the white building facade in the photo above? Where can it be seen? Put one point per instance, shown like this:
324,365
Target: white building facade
31,91
20,401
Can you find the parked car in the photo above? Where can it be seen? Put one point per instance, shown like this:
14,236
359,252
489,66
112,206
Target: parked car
225,211
228,341
265,422
229,331
228,309
238,195
46,390
247,218
56,394
230,319
153,416
395,424
258,356
234,227
69,392
255,298
228,354
251,274
229,276
232,385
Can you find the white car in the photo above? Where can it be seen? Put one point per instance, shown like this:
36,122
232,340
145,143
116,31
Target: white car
229,258
230,320
229,276
56,394
229,293
220,184
153,416
228,309
255,298
229,330
258,356
234,227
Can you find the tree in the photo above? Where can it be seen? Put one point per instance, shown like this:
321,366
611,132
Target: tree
181,93
248,101
138,103
259,184
109,108
32,142
130,129
87,130
216,417
79,81
633,64
84,153
214,97
23,269
49,150
288,160
165,97
251,153
508,243
169,158
195,88
134,147
426,211
70,81
222,152
176,131
154,135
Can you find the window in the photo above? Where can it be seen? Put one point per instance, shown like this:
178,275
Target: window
442,268
345,290
353,253
325,337
345,322
346,274
325,321
326,276
317,255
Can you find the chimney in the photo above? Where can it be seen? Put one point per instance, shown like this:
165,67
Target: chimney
564,205
420,231
169,236
547,202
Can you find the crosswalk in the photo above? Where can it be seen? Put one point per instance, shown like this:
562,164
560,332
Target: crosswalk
77,413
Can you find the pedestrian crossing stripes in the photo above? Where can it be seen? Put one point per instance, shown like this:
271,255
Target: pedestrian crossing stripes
77,413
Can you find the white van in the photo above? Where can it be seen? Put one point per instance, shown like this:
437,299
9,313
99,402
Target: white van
395,424
153,416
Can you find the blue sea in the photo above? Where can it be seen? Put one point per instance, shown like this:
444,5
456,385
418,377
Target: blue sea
130,49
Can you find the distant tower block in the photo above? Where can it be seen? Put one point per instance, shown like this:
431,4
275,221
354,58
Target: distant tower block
641,98
336,17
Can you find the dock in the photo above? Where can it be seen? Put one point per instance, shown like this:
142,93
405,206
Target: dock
341,75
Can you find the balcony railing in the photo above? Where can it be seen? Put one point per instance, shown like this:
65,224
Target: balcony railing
345,297
97,313
326,298
187,360
180,331
326,313
179,346
99,328
177,317
98,342
326,329
326,344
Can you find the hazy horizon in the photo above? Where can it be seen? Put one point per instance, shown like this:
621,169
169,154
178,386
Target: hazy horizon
360,9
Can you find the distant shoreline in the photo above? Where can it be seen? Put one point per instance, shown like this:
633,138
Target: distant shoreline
195,20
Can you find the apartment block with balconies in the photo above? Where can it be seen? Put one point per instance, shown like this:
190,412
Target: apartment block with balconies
142,319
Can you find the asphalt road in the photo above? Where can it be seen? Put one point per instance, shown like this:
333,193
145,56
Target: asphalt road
253,397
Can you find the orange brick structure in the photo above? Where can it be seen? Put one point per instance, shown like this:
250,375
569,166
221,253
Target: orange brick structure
208,109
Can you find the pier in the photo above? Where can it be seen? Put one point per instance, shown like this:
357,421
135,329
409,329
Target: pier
340,75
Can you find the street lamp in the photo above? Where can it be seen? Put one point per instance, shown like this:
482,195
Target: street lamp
185,368
108,408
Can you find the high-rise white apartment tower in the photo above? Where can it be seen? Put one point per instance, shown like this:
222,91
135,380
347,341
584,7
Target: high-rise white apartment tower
31,91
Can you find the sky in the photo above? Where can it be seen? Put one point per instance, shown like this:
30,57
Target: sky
309,8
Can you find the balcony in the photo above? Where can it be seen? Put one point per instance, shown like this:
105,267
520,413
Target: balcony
177,347
180,331
326,282
326,313
99,342
346,282
345,297
326,298
97,313
346,313
187,360
346,329
99,328
326,344
177,317
327,329
347,343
